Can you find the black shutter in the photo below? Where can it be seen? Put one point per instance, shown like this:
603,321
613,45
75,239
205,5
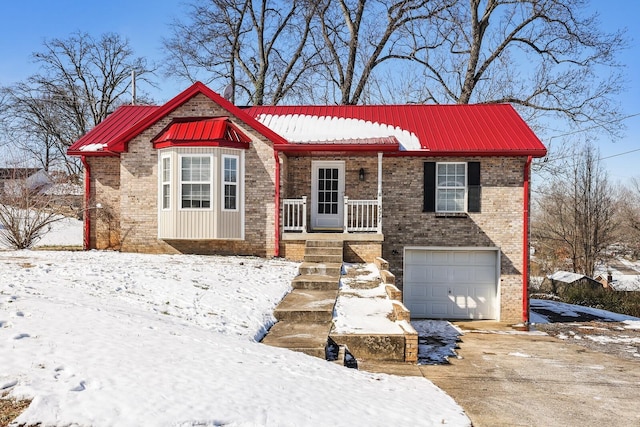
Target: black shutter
473,183
429,187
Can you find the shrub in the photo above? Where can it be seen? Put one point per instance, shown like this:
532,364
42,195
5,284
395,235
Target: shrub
623,302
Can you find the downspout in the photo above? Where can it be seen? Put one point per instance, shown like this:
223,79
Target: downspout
525,243
86,240
276,252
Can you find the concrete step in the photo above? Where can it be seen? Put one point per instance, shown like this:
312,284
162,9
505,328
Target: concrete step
316,281
324,243
303,305
323,250
308,338
329,269
381,347
323,259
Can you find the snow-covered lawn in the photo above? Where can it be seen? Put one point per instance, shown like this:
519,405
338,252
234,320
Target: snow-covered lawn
115,339
563,309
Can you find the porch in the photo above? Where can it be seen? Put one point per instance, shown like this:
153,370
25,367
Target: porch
357,247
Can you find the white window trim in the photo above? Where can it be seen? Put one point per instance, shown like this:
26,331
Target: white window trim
210,182
466,188
224,183
163,182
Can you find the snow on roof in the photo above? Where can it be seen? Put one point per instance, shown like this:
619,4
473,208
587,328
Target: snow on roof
306,128
93,147
480,129
566,276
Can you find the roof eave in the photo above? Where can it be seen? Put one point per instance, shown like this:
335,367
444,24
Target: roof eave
101,153
537,153
349,148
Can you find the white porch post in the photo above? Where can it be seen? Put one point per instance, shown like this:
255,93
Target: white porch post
304,214
346,214
379,230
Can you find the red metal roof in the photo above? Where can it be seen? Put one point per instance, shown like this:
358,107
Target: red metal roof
201,131
99,138
479,129
442,130
111,137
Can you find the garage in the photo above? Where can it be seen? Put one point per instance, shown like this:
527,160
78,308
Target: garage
451,283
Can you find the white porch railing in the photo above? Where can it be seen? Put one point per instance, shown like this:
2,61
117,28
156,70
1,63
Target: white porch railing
294,214
362,215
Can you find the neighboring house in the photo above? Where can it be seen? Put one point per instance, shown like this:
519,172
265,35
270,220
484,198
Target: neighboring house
560,282
441,192
13,179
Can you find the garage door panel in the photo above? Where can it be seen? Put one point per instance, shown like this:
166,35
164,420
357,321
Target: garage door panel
438,291
460,258
438,258
484,275
454,284
416,257
417,274
440,309
416,292
461,274
484,258
437,274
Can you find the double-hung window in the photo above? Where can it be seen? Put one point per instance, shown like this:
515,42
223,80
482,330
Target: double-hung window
452,187
166,182
195,182
230,182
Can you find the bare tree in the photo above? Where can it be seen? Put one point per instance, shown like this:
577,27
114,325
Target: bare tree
258,47
541,55
82,79
630,216
27,207
357,36
577,212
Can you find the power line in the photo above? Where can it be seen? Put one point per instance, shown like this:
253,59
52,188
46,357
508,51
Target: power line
610,122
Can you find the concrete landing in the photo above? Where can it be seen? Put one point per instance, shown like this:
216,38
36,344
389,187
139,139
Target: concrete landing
308,338
304,305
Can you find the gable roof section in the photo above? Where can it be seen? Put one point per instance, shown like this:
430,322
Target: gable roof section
99,139
201,131
111,137
479,129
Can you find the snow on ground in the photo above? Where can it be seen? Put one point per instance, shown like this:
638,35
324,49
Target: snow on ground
107,338
65,232
363,306
539,306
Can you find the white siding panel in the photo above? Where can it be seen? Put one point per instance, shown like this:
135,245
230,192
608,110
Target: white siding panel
205,224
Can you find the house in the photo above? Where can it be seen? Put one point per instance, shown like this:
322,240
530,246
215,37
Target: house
561,282
440,191
12,179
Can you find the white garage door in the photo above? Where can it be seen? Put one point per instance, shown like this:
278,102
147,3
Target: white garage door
451,284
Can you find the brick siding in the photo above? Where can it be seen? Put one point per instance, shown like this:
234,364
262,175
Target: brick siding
136,178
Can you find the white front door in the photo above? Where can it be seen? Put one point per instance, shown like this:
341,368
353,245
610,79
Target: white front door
327,187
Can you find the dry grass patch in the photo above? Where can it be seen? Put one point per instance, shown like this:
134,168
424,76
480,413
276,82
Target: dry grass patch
11,408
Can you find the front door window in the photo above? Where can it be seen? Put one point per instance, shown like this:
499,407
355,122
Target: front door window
328,195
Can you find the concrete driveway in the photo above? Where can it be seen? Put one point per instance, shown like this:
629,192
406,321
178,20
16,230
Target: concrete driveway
506,378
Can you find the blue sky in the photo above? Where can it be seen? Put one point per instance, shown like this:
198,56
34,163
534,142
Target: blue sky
27,23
